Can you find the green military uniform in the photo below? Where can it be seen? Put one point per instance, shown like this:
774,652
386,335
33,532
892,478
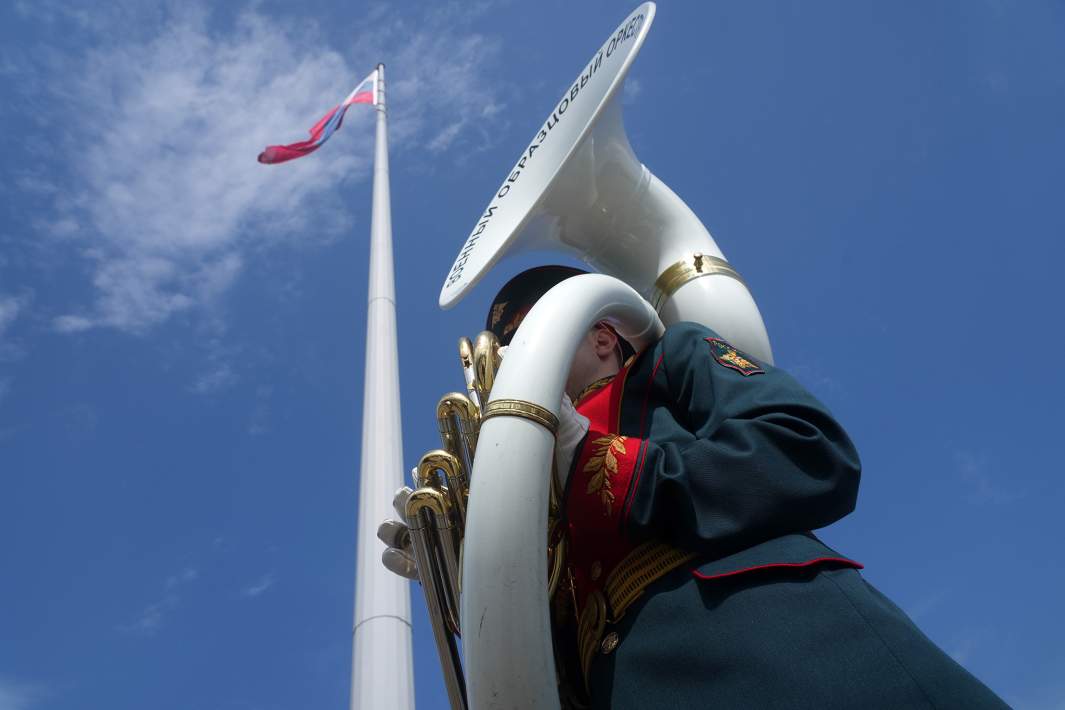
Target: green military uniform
691,566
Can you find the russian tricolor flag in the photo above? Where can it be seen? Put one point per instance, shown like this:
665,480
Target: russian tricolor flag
364,93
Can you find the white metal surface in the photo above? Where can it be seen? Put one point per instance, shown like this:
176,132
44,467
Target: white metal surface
504,608
724,304
583,190
382,673
514,203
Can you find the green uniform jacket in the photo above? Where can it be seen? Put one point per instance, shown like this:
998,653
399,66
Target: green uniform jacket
701,447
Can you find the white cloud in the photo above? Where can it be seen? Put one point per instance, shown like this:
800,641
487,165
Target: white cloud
1046,693
983,480
18,696
166,191
971,644
260,416
71,324
438,93
150,619
165,199
220,373
927,603
818,380
631,90
32,184
962,651
189,574
10,307
259,587
214,380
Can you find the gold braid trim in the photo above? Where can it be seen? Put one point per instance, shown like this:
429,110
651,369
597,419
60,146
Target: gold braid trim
594,387
644,565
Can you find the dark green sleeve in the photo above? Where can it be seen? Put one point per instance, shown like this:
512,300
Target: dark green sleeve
743,458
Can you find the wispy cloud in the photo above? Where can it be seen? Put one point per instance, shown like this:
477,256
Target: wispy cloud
12,307
150,619
165,201
215,379
963,650
971,643
189,574
260,416
820,381
985,484
16,695
927,603
631,90
71,324
166,194
1046,693
219,370
425,54
259,587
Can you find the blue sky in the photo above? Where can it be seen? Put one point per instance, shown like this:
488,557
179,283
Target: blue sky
181,329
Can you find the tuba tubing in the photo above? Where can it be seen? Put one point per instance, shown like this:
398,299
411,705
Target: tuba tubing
504,615
432,538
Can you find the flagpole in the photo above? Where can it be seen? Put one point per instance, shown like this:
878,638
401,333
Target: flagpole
382,668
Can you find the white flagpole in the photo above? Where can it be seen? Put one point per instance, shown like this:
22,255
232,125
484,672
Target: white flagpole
382,672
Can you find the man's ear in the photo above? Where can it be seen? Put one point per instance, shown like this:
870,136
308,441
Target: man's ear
606,342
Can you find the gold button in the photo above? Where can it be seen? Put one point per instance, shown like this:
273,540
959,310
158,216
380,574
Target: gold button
610,642
597,569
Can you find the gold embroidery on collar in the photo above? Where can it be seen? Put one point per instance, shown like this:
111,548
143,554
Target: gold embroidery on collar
594,387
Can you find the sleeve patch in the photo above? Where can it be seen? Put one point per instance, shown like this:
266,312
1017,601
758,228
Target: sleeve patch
730,357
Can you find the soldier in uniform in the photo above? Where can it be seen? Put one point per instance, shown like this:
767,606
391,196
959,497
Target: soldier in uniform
693,477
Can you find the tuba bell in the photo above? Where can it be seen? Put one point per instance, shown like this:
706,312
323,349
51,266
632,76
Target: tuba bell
577,187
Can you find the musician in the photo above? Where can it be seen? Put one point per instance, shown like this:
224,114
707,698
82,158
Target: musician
693,475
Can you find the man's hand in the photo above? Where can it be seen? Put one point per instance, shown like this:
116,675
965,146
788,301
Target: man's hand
572,426
398,556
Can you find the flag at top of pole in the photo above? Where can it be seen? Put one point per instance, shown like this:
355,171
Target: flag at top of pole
364,93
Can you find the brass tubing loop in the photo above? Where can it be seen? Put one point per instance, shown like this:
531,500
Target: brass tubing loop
458,487
458,419
466,360
486,359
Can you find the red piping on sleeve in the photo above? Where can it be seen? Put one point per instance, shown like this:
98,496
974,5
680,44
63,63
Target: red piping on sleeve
643,456
841,560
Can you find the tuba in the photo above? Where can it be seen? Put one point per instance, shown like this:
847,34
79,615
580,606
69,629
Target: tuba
577,187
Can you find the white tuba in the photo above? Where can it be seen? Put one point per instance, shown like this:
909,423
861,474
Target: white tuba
577,187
